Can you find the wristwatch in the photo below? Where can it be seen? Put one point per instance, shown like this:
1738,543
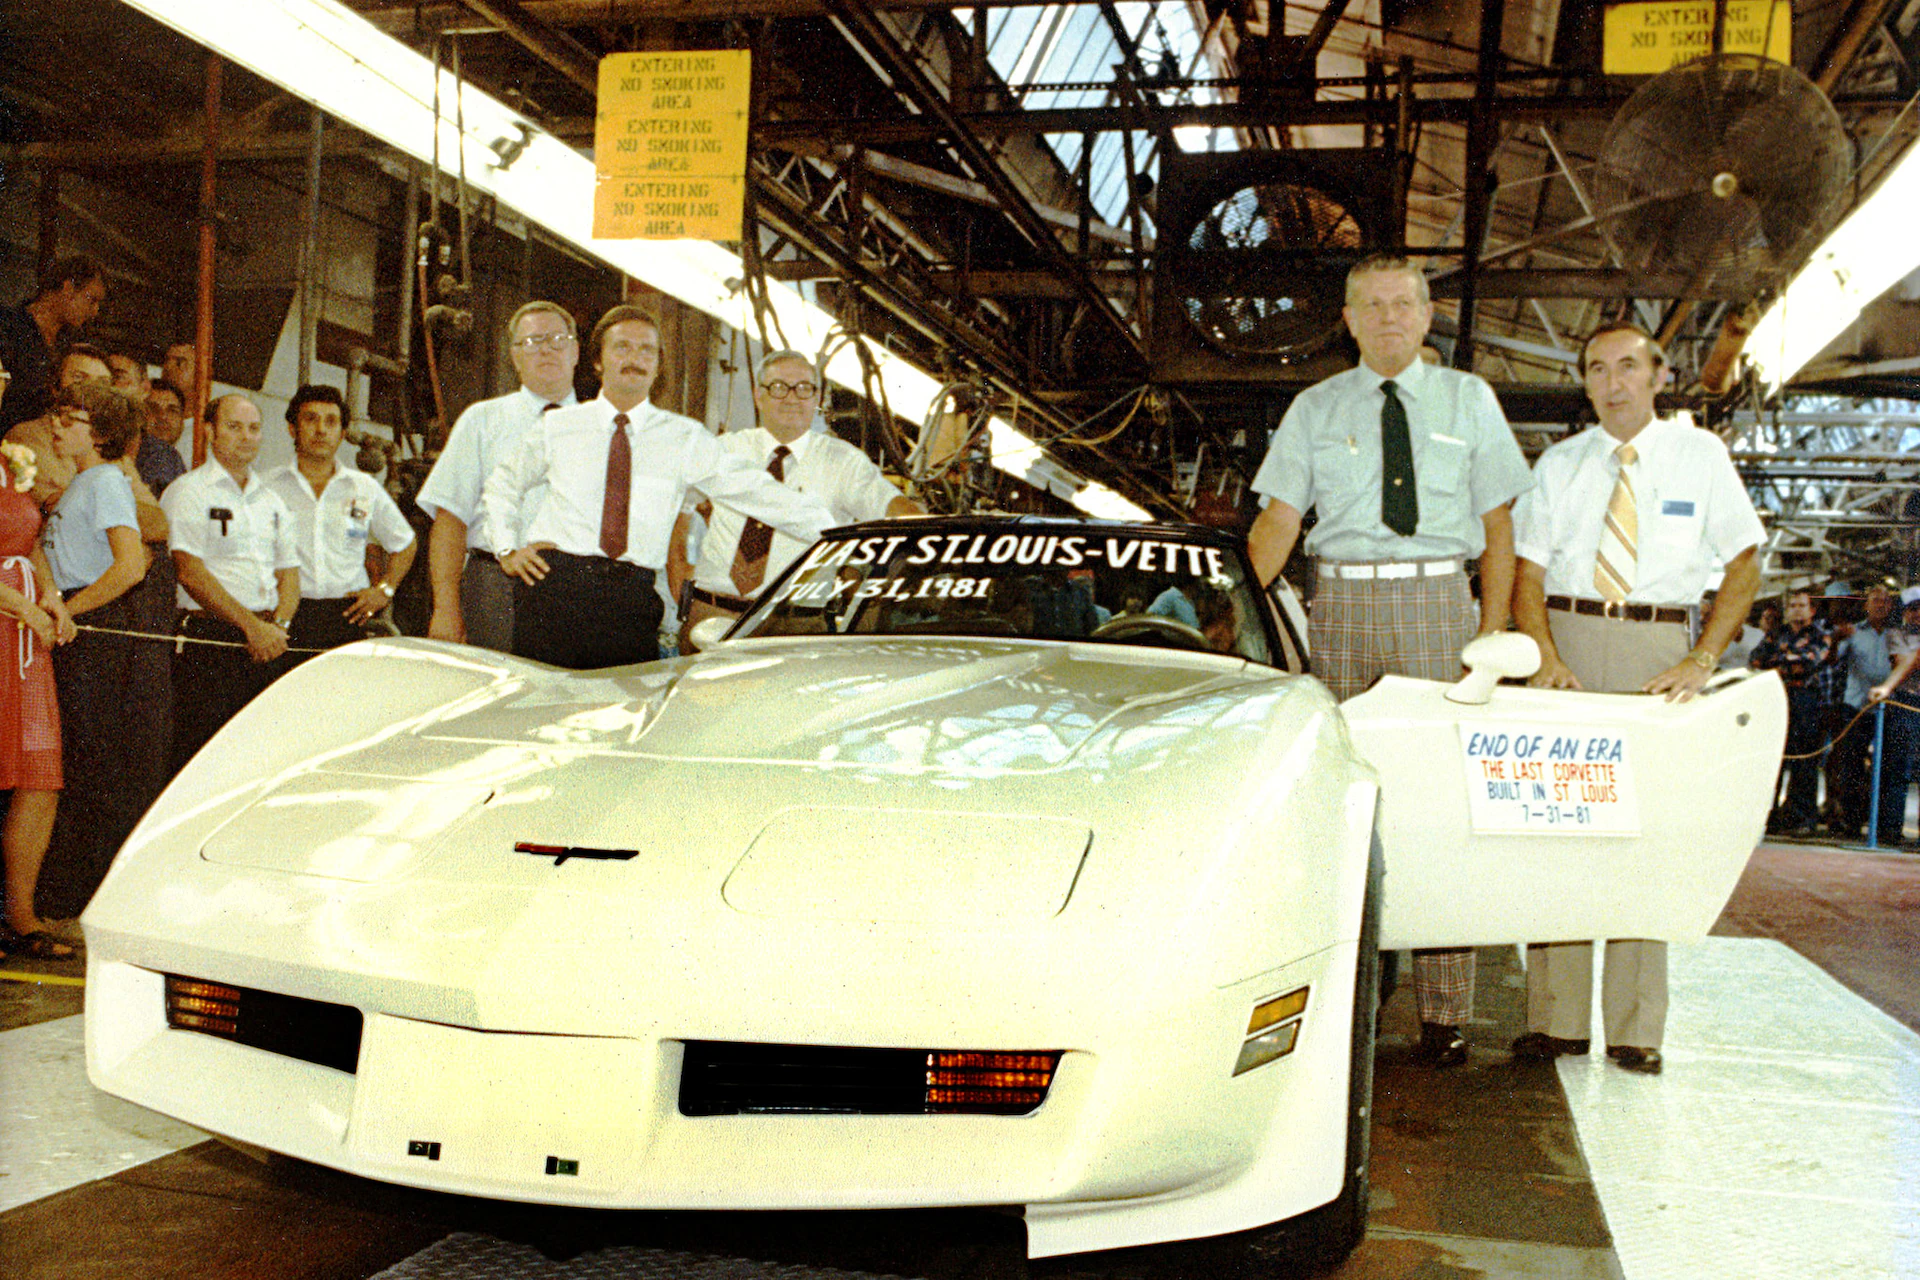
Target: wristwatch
386,588
1702,659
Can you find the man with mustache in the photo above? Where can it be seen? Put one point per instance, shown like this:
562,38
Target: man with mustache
616,472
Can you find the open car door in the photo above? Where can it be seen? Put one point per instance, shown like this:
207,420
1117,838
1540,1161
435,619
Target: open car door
1545,815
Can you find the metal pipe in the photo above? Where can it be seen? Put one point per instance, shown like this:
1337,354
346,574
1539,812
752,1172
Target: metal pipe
409,247
309,261
203,308
1481,133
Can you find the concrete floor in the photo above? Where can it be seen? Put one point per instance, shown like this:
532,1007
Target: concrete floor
1497,1169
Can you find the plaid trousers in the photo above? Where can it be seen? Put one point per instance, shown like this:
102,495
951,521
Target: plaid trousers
1362,629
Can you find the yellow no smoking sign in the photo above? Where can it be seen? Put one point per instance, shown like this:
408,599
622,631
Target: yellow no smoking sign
1646,39
670,145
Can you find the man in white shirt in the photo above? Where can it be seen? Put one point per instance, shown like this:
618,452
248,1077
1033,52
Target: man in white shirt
739,555
472,602
1412,469
233,549
336,512
1616,541
616,472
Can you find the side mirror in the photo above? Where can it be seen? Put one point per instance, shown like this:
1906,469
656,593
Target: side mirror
1510,655
708,632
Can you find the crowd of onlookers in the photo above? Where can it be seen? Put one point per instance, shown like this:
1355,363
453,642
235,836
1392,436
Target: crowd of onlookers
149,597
1841,656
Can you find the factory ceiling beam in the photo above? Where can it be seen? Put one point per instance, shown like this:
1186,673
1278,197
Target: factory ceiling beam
405,18
788,214
1151,118
182,148
543,40
912,83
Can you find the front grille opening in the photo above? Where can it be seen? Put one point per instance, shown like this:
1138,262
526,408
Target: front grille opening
725,1078
310,1030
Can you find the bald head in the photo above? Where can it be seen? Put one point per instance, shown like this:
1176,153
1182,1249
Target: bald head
234,432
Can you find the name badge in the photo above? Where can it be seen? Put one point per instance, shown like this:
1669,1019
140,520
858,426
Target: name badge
1676,508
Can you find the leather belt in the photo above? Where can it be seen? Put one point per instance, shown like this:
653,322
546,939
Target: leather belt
1350,571
1621,612
732,604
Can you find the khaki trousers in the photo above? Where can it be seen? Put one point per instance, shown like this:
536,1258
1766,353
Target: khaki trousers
1606,656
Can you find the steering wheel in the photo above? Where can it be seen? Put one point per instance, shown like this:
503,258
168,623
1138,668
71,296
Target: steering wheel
1139,624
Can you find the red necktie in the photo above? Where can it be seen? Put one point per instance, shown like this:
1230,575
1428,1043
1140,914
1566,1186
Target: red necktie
613,510
756,540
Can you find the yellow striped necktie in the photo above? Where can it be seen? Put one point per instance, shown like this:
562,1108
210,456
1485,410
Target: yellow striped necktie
1616,563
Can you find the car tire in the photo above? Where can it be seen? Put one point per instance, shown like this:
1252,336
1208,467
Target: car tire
1322,1238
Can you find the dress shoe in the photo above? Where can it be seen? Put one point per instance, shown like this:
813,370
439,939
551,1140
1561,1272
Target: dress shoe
1440,1046
1538,1046
1631,1058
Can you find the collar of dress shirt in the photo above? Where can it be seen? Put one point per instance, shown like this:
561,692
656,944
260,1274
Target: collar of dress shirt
795,450
1646,442
637,416
1407,382
217,473
537,402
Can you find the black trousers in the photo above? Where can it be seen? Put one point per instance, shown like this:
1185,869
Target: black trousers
211,683
1805,735
320,624
588,612
1848,779
95,678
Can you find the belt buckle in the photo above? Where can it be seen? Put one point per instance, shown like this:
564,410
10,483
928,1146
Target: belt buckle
1608,609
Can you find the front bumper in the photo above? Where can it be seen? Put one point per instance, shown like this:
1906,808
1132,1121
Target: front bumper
1144,1135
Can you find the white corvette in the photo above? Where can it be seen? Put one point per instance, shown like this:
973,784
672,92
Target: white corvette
990,862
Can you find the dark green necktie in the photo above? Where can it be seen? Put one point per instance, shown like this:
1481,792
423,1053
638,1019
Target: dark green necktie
1399,505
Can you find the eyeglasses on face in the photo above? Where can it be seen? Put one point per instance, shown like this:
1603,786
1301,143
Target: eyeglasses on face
798,390
535,341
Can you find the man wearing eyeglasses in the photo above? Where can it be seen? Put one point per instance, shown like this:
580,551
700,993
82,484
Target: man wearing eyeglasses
616,474
739,555
472,601
1413,470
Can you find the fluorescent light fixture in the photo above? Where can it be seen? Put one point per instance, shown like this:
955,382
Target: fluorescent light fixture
332,57
1863,258
1103,503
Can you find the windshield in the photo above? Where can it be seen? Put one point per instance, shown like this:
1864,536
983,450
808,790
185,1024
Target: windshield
1111,587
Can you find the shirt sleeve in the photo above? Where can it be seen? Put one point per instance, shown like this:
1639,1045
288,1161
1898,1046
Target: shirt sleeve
454,484
1499,469
1286,474
728,478
390,528
507,487
1732,523
1533,520
867,493
112,506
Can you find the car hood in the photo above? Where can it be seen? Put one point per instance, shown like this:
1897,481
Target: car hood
764,761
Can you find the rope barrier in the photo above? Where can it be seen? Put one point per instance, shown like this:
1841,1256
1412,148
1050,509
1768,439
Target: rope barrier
1859,715
178,639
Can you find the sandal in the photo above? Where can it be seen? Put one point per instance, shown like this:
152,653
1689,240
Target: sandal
38,945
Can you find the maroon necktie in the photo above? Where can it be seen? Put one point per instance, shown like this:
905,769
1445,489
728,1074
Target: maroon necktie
613,511
750,558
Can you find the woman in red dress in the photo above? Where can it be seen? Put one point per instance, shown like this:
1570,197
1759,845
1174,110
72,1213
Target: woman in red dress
32,620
